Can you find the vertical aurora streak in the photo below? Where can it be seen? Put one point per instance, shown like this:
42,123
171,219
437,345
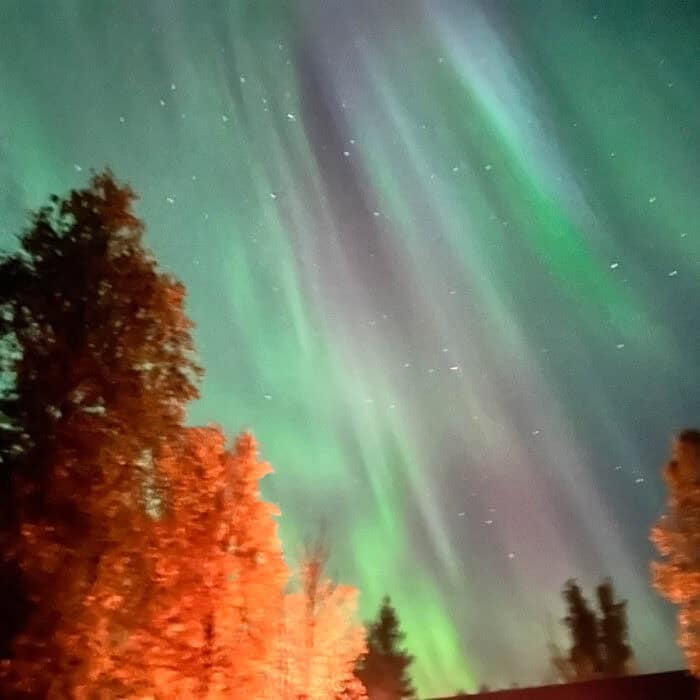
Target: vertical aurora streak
443,258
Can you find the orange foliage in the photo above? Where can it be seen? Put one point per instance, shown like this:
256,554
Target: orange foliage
102,368
677,538
217,576
150,563
323,640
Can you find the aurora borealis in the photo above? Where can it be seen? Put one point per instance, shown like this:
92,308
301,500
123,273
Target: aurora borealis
443,258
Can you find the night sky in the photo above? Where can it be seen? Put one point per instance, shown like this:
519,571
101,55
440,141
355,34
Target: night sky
443,259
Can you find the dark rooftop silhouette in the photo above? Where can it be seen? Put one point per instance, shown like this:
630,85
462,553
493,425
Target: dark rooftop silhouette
674,685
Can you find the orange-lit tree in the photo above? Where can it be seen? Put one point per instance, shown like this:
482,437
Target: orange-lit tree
323,640
261,575
210,628
218,623
97,369
143,561
677,537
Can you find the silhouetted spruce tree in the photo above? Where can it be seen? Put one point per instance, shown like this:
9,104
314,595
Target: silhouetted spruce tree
97,369
677,538
384,671
599,644
581,620
615,652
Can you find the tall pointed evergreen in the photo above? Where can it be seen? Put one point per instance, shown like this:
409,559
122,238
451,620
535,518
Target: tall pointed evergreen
384,671
616,654
599,642
583,625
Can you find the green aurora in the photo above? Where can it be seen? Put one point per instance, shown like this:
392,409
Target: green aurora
443,260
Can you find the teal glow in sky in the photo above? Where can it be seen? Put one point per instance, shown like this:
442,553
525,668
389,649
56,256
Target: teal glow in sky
443,257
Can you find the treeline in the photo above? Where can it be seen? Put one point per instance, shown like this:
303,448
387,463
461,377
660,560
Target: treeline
140,560
598,641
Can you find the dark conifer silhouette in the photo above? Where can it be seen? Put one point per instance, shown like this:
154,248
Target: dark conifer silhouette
384,671
616,654
581,620
599,645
